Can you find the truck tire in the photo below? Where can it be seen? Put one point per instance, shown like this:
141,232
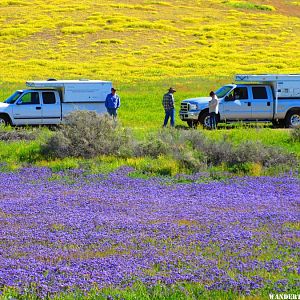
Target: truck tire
292,119
204,119
4,120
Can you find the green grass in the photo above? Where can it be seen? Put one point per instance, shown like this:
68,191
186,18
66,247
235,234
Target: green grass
249,5
184,291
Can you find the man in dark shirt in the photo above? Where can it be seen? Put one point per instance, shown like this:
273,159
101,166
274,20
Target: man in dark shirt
169,106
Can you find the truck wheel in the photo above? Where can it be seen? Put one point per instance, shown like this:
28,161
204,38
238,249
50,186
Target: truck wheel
292,119
4,121
204,119
192,124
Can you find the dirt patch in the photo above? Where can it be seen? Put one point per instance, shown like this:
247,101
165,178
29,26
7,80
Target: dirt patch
285,7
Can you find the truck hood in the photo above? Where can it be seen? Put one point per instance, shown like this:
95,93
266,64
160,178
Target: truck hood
3,105
198,100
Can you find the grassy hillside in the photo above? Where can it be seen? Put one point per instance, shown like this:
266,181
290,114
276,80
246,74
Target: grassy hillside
145,40
145,46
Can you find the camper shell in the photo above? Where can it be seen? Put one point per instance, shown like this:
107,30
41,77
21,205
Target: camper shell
75,90
284,86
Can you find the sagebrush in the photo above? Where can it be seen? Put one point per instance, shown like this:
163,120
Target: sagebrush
295,134
6,134
87,135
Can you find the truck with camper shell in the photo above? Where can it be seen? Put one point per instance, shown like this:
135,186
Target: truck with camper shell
252,98
49,101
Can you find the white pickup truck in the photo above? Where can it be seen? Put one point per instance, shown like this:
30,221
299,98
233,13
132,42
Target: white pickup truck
269,97
49,101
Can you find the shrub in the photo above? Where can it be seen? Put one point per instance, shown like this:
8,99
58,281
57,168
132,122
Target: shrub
295,134
248,151
175,144
211,152
164,142
87,134
153,147
16,134
194,152
218,152
195,138
253,152
191,161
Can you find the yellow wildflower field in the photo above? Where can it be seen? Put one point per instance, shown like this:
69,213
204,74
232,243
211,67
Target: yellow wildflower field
145,41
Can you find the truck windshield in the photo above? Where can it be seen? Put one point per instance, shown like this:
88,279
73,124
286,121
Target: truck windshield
221,92
13,97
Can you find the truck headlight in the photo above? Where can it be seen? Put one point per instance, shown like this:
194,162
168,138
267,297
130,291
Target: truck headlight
193,107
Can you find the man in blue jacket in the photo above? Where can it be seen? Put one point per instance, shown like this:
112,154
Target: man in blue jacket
112,103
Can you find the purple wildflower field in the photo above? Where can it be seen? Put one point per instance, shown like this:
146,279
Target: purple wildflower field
61,231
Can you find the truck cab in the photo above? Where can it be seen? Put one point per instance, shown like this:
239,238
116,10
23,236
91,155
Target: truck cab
47,102
247,102
31,107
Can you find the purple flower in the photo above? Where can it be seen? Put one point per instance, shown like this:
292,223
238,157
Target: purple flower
68,230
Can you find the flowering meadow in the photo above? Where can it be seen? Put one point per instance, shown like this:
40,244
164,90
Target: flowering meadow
70,230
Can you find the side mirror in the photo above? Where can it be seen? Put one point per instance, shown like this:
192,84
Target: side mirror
19,102
226,98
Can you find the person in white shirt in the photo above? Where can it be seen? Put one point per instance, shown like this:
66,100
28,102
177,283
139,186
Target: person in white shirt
213,106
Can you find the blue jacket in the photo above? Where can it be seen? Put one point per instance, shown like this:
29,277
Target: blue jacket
112,101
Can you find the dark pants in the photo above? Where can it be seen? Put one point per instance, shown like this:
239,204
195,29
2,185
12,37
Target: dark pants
112,112
213,120
170,113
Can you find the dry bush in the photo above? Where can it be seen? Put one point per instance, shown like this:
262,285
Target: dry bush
17,134
295,134
152,148
223,152
256,152
87,134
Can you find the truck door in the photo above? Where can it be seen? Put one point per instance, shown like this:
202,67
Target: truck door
51,109
27,109
237,105
262,104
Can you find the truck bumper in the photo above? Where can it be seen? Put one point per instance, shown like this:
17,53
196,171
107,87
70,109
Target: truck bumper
190,115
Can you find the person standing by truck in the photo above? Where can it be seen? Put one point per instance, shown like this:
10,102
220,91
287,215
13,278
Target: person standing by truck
112,103
213,107
168,103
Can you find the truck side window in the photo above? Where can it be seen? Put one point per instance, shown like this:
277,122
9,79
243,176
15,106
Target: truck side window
238,93
30,98
259,92
49,98
243,93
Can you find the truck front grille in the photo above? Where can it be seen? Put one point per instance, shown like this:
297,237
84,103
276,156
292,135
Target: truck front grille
185,107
